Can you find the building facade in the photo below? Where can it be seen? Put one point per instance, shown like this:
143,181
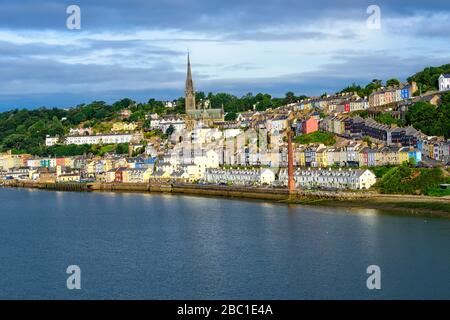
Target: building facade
444,82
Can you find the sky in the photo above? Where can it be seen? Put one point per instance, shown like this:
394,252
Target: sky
137,48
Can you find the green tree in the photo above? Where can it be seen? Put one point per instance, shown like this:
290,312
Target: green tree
289,98
430,120
170,130
386,118
122,148
230,116
427,79
392,82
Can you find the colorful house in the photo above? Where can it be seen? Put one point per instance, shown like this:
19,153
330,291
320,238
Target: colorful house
309,126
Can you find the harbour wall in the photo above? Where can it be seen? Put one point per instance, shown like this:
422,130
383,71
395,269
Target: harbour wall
261,193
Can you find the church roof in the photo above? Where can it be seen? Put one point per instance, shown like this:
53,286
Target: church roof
205,113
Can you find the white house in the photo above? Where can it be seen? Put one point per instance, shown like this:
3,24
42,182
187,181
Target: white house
33,163
80,131
51,141
240,176
163,124
93,139
444,82
277,124
336,179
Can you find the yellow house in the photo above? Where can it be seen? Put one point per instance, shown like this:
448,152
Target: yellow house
403,155
91,168
387,156
300,157
431,150
68,162
147,174
68,177
123,126
307,105
137,175
192,172
322,157
9,160
378,157
109,164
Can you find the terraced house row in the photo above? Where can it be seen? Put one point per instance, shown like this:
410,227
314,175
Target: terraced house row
353,154
384,96
436,148
357,128
330,179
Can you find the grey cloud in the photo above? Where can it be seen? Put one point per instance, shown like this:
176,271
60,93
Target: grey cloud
197,14
35,73
47,82
280,36
19,77
354,67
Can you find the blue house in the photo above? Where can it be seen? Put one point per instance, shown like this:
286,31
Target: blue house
406,93
416,155
150,160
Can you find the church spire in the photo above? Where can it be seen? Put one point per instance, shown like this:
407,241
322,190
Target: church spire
190,93
189,82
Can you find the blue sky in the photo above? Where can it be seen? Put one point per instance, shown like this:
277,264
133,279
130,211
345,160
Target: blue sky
137,48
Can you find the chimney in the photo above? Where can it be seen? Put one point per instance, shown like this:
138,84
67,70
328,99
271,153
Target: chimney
291,182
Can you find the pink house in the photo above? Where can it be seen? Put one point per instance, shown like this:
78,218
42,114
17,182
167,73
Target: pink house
310,125
60,162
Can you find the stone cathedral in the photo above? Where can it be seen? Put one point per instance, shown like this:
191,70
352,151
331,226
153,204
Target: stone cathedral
198,111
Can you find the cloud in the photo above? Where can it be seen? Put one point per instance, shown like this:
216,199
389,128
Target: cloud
353,67
137,48
199,14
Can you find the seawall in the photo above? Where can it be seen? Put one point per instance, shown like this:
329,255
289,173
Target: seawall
272,194
411,205
73,186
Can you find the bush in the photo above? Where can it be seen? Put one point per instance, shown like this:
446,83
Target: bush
76,150
406,180
326,138
381,170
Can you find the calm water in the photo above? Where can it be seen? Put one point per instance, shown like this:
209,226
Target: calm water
141,246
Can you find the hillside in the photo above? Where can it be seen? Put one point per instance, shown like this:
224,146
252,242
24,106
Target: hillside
427,79
431,120
24,131
413,181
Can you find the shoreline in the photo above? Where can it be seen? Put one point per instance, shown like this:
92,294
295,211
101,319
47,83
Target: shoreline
406,208
402,204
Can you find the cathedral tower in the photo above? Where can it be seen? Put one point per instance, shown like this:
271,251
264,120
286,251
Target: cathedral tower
189,101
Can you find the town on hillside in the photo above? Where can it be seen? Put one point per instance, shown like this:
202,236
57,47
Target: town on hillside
344,141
